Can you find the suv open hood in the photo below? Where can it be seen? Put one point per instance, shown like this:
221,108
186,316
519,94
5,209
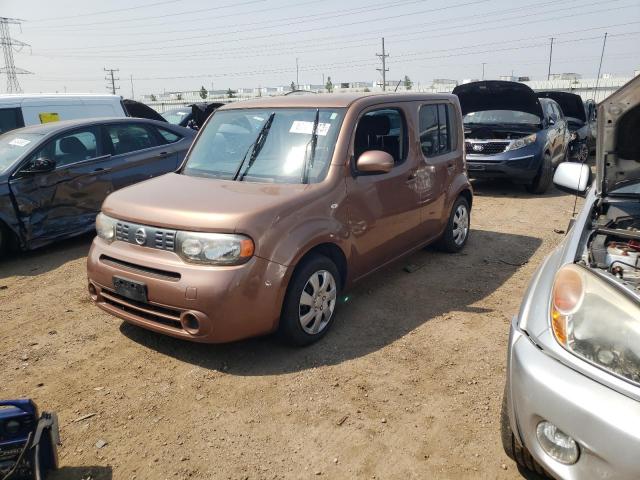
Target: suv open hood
618,147
497,95
570,103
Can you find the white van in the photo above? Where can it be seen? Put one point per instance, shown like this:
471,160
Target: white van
19,110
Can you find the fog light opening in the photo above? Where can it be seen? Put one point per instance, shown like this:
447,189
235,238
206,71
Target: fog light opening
190,323
93,293
557,444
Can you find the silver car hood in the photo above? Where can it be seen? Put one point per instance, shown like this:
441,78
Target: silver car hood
617,152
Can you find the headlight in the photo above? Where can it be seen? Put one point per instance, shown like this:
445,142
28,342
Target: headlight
214,248
106,227
573,136
593,320
522,142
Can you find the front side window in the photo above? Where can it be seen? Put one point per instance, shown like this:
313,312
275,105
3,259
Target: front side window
72,147
435,129
381,130
266,145
127,138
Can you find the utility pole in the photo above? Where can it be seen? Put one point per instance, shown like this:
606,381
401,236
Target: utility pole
8,46
550,55
111,79
604,42
297,76
131,77
383,56
483,64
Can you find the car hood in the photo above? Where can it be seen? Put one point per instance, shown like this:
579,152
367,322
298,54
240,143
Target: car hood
618,148
570,103
184,202
497,95
140,110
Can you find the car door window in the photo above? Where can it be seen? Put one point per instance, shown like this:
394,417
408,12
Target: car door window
131,137
435,129
381,130
71,147
10,119
168,135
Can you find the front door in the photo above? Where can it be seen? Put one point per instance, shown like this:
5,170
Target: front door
64,201
384,214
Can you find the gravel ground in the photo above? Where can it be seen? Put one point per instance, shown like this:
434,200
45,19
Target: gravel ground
407,384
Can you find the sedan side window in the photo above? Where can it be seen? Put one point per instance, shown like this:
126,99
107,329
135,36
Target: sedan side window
381,130
168,135
72,147
127,138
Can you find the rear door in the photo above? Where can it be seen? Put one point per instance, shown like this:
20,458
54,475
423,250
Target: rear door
66,200
140,151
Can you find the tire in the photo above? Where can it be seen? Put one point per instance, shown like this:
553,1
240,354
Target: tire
458,228
512,448
4,240
309,305
543,178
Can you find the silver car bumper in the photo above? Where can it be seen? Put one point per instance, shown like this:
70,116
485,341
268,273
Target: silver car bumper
605,423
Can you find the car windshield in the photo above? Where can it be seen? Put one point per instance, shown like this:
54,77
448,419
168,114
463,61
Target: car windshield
230,138
176,116
501,116
13,145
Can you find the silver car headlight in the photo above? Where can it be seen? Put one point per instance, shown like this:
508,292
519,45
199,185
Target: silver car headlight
214,248
595,321
522,142
106,227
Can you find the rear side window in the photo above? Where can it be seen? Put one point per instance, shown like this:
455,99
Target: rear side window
435,129
131,137
168,135
10,119
381,130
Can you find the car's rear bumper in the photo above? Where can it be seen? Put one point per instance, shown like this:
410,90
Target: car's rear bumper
605,423
193,302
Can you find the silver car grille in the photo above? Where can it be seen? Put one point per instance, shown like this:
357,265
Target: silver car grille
146,236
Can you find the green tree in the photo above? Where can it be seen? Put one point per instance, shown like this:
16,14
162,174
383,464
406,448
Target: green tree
231,93
408,84
203,92
366,89
329,85
153,98
179,96
292,86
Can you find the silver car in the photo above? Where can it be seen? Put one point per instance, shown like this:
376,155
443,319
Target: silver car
571,408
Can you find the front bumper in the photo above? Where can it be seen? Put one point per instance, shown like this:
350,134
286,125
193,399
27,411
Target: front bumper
520,165
200,303
605,423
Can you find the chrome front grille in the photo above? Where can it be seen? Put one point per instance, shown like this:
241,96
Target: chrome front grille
146,236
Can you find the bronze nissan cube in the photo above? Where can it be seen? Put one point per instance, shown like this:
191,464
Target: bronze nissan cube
280,205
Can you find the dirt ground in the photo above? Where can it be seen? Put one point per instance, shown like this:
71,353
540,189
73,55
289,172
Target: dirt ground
407,384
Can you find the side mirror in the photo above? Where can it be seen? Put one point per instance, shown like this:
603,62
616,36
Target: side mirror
375,161
40,165
572,178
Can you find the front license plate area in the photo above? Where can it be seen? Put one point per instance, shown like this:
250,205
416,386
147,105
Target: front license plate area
130,289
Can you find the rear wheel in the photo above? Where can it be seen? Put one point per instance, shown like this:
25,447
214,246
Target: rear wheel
310,301
456,233
512,448
542,180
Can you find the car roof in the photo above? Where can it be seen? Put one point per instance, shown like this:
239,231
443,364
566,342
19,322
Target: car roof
333,100
54,127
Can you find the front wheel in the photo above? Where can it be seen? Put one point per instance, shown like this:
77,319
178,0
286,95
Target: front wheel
310,301
456,234
543,178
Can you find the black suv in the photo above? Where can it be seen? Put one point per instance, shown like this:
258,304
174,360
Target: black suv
511,133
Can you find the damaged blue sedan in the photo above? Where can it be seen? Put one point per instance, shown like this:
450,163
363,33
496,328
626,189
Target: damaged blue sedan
54,176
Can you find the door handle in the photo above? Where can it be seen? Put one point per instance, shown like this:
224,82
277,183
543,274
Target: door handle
163,154
412,176
101,170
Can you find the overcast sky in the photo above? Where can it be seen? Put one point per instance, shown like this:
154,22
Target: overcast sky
184,44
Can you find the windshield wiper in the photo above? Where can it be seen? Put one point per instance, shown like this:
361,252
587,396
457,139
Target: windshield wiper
255,148
307,166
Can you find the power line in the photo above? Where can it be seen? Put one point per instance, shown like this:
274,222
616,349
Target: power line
112,80
146,5
8,46
383,57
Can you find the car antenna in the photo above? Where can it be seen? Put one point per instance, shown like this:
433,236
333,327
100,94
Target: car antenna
575,200
396,89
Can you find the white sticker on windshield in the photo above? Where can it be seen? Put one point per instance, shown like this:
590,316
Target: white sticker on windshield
19,142
299,126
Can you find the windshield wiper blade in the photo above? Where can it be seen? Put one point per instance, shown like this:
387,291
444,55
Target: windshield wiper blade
307,166
257,146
